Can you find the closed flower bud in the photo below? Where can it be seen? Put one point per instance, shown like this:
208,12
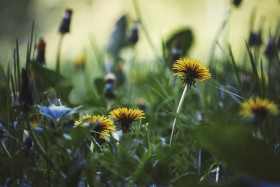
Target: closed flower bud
65,24
25,96
40,57
110,86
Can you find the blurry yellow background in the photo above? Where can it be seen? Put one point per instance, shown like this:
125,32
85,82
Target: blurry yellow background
161,17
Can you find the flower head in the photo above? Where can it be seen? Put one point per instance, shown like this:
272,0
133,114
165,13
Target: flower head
258,109
190,70
125,117
57,112
104,125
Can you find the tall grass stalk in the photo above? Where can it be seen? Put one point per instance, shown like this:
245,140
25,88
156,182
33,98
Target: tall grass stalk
58,53
177,113
146,33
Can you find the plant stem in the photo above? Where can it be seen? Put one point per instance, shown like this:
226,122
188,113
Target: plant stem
177,113
199,161
5,149
145,30
58,53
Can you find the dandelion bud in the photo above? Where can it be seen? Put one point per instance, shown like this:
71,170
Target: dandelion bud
133,38
236,2
110,86
176,52
120,74
270,51
40,57
25,96
255,39
65,24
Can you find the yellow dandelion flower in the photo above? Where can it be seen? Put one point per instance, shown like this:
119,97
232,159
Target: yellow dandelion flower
105,126
190,70
258,108
125,117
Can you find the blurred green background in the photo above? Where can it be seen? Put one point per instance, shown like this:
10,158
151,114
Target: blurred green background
96,18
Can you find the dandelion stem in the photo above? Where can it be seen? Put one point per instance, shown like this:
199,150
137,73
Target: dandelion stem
58,53
177,113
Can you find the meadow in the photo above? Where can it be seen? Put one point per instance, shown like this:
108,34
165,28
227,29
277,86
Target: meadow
112,120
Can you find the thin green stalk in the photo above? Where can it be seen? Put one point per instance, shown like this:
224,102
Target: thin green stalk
254,68
145,30
15,71
220,31
147,138
17,66
29,48
263,81
235,67
6,150
177,113
58,53
227,91
8,97
199,161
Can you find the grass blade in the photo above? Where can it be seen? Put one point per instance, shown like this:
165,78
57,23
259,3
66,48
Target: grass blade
235,67
254,68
